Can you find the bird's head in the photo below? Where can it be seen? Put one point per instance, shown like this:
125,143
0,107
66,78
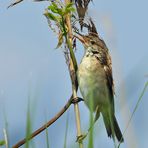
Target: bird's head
90,40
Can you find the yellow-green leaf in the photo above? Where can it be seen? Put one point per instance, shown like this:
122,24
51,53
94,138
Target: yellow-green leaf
68,10
2,142
50,16
69,5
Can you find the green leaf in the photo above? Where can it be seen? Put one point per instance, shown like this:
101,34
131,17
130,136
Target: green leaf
135,108
69,5
50,16
60,12
68,10
66,131
47,136
55,9
2,142
54,5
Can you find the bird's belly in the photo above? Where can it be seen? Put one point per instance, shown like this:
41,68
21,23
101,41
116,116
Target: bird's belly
92,83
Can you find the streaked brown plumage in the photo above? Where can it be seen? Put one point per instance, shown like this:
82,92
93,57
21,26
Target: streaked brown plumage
82,6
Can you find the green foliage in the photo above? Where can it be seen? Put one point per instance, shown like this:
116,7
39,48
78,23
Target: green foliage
56,13
91,137
47,138
29,126
91,124
66,131
51,16
62,11
2,142
135,108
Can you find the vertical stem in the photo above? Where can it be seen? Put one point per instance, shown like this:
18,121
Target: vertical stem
6,137
73,69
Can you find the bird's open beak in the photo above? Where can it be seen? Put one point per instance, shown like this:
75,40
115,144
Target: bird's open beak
80,37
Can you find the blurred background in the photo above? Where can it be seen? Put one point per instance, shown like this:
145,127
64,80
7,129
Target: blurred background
33,72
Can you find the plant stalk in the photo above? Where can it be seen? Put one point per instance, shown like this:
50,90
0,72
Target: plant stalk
72,70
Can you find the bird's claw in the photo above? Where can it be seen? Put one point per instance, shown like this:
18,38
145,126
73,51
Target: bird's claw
81,138
76,100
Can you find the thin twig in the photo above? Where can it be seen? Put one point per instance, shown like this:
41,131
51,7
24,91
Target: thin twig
38,131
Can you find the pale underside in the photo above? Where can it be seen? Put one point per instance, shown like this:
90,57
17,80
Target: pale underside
93,83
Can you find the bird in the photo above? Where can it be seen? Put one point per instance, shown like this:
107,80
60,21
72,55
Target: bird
95,80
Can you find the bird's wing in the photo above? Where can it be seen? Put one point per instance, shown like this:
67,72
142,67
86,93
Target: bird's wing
105,60
106,63
108,71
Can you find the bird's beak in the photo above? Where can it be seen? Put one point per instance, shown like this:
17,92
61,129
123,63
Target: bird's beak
80,37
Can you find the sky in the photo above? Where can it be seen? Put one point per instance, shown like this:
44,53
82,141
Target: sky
33,72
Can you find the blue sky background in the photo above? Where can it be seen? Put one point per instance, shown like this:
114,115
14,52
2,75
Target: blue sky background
31,69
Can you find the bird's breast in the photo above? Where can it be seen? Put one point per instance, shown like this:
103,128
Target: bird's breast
92,81
90,68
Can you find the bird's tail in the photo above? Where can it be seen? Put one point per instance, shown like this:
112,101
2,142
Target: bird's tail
112,128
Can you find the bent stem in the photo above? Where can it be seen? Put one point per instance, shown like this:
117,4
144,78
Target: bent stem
44,127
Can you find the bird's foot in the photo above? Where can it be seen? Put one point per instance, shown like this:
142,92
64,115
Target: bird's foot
76,100
81,138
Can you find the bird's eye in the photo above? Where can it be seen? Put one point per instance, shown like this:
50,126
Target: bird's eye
92,42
